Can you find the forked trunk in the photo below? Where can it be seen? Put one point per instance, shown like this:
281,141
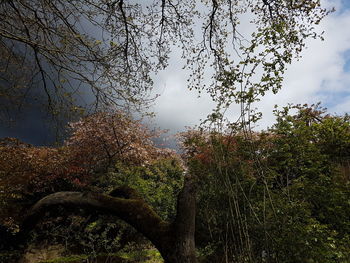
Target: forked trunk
175,241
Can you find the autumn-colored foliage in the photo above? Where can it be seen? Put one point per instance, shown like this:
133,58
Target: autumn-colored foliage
96,143
28,173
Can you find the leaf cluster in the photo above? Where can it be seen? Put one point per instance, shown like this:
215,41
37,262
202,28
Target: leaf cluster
105,151
276,196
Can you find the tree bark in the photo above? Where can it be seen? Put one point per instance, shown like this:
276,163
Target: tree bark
181,246
175,240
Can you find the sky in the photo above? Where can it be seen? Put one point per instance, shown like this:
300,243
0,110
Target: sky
321,75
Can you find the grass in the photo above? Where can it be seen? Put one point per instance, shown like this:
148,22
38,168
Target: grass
141,256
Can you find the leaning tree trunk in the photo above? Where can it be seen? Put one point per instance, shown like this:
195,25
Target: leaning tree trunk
175,240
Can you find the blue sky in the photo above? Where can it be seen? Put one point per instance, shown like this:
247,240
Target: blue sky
346,55
346,4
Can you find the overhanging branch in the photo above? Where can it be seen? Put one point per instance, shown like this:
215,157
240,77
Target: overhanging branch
135,212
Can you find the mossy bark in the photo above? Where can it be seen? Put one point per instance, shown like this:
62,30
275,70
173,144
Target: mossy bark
182,249
174,240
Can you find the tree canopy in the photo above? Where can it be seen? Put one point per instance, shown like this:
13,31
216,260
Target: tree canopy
279,195
103,53
275,196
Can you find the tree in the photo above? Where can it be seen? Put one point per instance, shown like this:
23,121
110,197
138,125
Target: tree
284,201
29,173
111,49
101,139
174,240
277,196
117,68
96,143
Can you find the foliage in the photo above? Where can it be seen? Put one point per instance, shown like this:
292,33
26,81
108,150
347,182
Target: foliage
247,182
110,49
27,173
104,138
275,196
104,152
9,256
73,259
159,183
145,255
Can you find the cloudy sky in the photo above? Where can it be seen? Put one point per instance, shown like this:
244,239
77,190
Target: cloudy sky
322,74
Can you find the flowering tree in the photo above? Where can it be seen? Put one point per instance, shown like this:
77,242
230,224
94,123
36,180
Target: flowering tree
105,137
95,143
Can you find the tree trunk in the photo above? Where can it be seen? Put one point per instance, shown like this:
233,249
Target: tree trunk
181,246
175,241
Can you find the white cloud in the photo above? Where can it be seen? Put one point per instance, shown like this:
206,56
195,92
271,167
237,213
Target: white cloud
318,76
177,106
